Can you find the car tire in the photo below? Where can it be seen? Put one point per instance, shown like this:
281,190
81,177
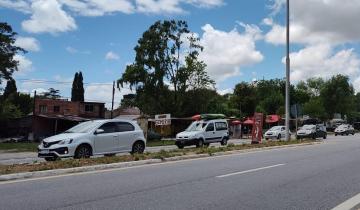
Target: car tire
83,151
335,134
325,136
313,136
223,141
51,159
279,137
200,143
138,148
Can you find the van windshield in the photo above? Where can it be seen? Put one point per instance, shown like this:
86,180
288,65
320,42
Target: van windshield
196,126
308,127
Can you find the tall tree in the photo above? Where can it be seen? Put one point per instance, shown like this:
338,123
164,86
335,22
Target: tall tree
7,52
10,88
52,94
159,61
77,90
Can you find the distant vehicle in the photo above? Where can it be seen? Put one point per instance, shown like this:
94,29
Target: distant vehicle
202,133
98,137
312,131
152,135
344,129
276,132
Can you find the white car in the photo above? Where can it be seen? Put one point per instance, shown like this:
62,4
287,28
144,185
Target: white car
98,137
344,129
312,131
202,133
276,132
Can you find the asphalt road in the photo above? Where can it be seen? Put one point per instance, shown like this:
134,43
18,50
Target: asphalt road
31,157
309,177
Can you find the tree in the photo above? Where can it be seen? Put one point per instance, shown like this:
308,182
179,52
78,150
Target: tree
159,64
244,99
315,108
337,96
10,88
77,90
51,94
7,52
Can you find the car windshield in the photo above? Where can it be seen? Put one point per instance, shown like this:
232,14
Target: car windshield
84,127
308,127
343,126
275,128
196,126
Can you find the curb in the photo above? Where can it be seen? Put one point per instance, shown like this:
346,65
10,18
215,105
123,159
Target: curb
55,172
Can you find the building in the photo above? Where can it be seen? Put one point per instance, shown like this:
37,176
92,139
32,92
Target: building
53,116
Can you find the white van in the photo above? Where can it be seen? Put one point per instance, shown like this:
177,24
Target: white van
202,133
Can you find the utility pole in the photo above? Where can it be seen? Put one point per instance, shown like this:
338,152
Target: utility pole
34,104
112,101
287,88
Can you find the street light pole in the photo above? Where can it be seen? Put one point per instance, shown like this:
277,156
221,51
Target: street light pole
287,88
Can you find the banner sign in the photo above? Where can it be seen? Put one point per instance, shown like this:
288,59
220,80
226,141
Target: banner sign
162,119
257,128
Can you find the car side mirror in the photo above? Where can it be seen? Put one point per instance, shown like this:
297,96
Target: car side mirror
99,131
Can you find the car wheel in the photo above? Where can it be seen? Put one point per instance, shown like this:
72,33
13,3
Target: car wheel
314,136
50,159
279,137
200,143
325,136
224,141
335,134
138,148
83,151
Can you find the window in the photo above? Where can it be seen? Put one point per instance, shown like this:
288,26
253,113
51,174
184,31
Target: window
210,127
43,109
56,108
89,108
221,126
124,126
109,127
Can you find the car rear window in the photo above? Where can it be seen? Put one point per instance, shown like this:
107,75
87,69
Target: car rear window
220,126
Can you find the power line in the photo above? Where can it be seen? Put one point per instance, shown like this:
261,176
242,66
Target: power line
39,81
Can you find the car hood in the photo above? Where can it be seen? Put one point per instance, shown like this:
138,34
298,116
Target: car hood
188,133
63,136
304,131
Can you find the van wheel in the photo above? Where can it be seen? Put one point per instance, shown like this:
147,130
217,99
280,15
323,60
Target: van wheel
50,159
83,151
279,137
180,146
224,141
325,136
200,143
138,148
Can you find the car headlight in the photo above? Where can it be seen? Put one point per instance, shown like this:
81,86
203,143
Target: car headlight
67,141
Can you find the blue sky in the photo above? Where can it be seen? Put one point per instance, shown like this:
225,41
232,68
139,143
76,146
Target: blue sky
243,40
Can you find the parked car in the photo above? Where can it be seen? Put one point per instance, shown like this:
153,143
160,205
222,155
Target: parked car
202,133
98,137
344,129
276,132
152,135
312,131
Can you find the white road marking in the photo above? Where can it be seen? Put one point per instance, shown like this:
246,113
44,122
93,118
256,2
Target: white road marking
349,204
249,171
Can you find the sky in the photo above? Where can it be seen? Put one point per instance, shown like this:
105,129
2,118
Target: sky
243,40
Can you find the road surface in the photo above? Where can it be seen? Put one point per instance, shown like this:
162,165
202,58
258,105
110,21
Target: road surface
31,157
309,177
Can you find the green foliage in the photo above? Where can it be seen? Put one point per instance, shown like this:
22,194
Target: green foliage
158,61
77,90
10,88
51,94
9,110
315,108
244,98
7,52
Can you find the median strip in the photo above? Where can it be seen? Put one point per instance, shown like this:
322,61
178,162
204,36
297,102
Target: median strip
21,171
249,171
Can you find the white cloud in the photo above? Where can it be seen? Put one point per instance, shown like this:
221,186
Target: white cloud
28,43
323,61
225,53
73,50
225,91
206,3
103,93
159,6
112,56
314,21
99,8
19,5
48,16
25,65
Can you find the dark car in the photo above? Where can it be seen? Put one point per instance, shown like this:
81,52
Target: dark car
312,131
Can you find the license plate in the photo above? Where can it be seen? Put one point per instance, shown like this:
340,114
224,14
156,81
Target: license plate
44,151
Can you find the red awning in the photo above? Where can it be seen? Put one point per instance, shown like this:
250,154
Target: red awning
272,118
236,122
196,117
248,122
